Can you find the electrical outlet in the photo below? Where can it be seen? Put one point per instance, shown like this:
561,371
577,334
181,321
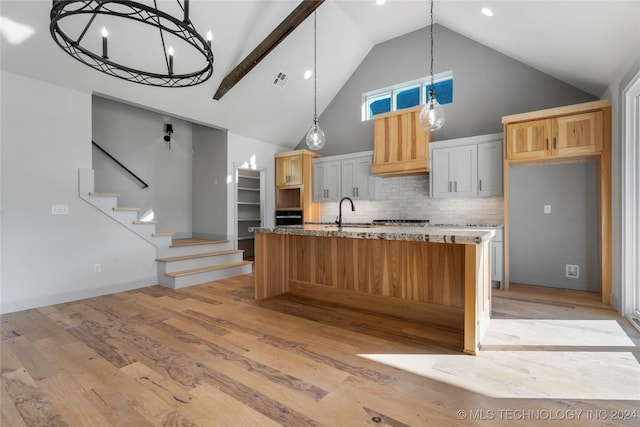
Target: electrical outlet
97,269
59,209
572,271
547,209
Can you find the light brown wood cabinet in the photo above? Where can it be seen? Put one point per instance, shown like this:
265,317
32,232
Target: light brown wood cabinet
400,144
289,170
294,183
564,136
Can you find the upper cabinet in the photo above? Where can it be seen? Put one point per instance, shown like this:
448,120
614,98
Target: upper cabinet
567,133
490,166
356,176
340,176
400,144
289,170
454,171
294,183
326,180
467,167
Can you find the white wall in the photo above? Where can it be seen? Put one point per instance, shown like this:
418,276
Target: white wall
615,93
46,259
242,149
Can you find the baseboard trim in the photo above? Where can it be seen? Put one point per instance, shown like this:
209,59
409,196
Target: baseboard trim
42,301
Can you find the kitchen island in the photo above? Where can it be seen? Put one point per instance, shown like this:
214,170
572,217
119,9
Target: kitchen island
437,275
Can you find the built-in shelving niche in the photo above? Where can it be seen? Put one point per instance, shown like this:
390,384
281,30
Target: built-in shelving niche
249,207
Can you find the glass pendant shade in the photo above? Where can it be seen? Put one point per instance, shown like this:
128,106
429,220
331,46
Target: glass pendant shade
315,137
432,114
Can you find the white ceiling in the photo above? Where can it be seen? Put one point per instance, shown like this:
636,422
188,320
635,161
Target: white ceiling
586,43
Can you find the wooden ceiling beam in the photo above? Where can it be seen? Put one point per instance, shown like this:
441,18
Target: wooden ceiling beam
290,23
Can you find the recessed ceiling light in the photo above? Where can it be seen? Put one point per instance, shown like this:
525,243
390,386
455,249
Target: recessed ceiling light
486,11
380,2
307,74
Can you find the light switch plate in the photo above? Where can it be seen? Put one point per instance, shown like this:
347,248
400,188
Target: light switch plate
547,209
59,209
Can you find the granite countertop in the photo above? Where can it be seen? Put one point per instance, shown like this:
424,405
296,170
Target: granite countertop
437,234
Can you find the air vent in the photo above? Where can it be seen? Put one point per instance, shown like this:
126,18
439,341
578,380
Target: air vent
281,80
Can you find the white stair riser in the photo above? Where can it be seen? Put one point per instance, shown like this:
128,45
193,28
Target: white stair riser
104,203
161,242
125,217
143,229
195,249
209,276
189,264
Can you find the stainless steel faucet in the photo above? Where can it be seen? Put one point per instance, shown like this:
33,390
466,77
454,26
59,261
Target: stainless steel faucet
353,208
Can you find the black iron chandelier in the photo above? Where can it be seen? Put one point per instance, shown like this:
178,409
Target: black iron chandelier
80,28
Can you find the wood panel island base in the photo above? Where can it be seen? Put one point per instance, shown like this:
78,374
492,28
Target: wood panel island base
438,275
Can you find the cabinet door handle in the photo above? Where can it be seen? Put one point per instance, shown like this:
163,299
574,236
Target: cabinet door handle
449,186
555,144
455,185
547,144
480,185
357,191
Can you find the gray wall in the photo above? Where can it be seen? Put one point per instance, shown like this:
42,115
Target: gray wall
486,86
209,183
541,244
134,136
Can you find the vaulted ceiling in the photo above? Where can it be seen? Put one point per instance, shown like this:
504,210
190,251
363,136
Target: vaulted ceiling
584,43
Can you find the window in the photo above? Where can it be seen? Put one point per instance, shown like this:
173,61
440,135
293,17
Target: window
406,95
378,104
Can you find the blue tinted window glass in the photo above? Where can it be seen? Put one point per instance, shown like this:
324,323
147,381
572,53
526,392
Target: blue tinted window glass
408,98
444,91
380,106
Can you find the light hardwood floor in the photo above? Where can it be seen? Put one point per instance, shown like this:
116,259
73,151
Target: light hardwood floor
209,355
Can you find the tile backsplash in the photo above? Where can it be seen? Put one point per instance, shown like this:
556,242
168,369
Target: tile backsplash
407,197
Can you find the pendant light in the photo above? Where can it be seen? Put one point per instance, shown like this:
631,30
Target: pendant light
315,136
432,114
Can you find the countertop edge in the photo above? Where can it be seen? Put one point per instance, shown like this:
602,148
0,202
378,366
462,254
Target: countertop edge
417,234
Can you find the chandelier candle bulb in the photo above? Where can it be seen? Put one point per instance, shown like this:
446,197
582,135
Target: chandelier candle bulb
170,52
186,11
209,38
105,34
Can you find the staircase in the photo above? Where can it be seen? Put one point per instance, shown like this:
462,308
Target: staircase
180,262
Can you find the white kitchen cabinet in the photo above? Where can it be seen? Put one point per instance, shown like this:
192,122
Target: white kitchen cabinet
326,181
356,177
490,169
454,171
497,258
347,175
466,167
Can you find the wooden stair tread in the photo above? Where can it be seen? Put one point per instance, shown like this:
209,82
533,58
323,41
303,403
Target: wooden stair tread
206,269
194,242
145,222
203,255
92,193
127,209
163,233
